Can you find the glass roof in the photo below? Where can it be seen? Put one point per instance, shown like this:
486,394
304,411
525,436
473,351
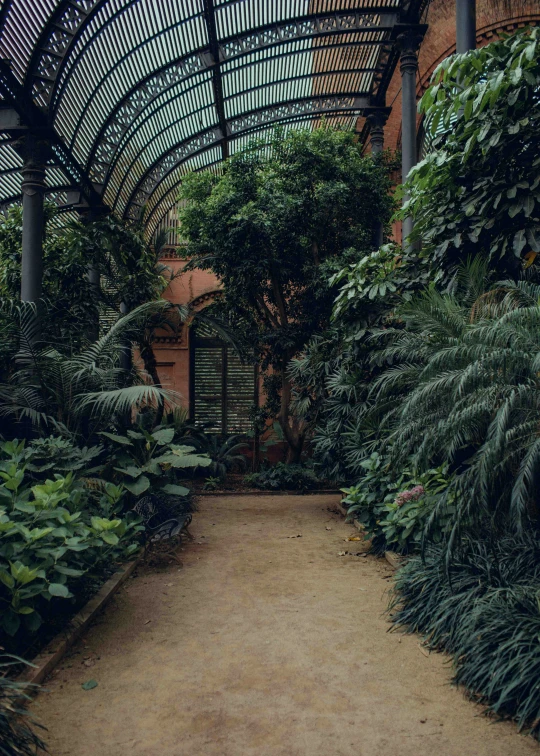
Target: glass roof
134,93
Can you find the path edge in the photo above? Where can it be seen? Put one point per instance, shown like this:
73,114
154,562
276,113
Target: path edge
261,492
393,559
46,661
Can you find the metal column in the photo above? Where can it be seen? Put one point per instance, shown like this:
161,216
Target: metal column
465,25
409,42
33,188
377,119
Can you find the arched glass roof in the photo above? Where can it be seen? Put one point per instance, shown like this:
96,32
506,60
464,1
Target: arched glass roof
132,94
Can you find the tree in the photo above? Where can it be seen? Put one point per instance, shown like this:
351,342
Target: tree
274,228
72,304
478,191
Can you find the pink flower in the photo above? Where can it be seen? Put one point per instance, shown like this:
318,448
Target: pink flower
412,494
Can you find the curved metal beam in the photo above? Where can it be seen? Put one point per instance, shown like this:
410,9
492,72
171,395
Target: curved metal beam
99,173
217,79
61,31
72,17
135,157
278,113
306,27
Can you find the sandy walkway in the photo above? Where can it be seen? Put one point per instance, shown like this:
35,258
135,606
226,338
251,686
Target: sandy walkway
262,645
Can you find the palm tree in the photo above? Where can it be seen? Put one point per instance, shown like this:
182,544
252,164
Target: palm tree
76,394
465,387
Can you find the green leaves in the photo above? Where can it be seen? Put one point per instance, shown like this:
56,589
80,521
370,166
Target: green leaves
50,538
484,612
174,490
487,101
151,461
163,436
57,589
137,487
123,440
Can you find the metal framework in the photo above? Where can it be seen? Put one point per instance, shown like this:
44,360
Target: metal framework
129,95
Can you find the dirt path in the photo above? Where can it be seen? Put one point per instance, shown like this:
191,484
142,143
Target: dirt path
262,645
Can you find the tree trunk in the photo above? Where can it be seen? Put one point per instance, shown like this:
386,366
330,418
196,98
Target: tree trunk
150,365
293,435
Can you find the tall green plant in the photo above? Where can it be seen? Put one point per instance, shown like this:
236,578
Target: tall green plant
274,228
465,387
478,191
77,394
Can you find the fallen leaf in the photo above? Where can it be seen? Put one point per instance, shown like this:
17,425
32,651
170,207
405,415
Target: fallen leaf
147,622
354,538
295,536
89,663
89,684
328,528
342,553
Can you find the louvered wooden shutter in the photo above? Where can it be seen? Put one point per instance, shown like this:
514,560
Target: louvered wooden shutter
240,394
223,388
208,387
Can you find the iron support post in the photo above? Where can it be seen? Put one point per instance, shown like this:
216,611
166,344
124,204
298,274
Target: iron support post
409,42
377,119
465,25
33,189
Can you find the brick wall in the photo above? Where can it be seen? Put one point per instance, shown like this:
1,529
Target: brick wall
492,18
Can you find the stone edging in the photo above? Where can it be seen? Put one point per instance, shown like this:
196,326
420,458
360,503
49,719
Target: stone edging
393,559
47,660
260,492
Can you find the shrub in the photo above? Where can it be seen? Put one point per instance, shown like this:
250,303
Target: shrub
282,476
464,384
224,452
477,192
141,461
54,453
485,611
396,509
52,534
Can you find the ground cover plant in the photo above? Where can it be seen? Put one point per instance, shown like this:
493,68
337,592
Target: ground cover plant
484,610
17,735
284,477
54,533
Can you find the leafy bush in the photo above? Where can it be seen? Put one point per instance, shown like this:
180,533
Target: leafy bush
42,455
478,191
284,476
16,736
212,483
465,384
366,501
77,394
143,461
53,534
224,453
485,611
396,509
